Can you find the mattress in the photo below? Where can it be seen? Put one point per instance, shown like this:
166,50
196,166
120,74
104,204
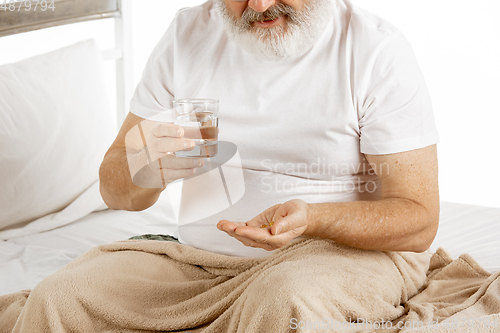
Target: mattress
26,260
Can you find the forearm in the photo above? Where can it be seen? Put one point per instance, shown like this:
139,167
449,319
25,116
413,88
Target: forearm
117,188
392,224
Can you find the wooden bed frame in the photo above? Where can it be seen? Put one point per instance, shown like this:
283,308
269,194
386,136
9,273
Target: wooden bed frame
75,11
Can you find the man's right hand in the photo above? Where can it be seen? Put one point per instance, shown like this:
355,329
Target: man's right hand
151,148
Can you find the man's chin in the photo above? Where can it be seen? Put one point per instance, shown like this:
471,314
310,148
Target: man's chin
273,44
271,54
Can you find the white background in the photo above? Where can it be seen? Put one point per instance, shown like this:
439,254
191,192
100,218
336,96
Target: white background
456,42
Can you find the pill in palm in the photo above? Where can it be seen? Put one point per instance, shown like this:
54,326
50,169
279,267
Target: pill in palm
266,226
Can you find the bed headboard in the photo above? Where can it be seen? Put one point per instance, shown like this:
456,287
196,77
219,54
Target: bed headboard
22,20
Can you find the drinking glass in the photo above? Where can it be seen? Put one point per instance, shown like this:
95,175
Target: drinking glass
199,118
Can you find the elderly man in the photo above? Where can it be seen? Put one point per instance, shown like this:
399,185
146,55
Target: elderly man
334,127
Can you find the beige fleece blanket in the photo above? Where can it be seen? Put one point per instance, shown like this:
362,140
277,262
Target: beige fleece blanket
150,286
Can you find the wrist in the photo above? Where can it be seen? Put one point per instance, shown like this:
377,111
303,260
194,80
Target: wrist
312,221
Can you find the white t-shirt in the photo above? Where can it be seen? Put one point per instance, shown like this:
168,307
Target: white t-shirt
301,126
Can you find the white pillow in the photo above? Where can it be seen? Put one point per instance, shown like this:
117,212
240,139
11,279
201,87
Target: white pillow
55,126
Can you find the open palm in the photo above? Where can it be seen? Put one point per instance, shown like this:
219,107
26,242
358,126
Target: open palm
273,228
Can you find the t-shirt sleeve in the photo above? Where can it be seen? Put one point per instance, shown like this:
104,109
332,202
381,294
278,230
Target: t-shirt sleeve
395,111
154,93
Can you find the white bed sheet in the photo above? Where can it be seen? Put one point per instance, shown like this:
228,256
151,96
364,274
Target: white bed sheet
470,229
24,261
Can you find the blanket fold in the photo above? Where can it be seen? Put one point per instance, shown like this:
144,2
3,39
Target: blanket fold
310,285
458,296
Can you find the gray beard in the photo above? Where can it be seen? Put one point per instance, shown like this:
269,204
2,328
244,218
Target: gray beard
280,43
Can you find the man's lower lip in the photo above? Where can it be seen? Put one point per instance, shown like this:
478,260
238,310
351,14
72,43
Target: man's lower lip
267,23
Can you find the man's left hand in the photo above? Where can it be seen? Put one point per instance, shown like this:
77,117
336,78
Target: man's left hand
288,220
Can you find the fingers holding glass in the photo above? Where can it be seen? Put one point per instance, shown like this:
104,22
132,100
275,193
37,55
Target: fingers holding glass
151,148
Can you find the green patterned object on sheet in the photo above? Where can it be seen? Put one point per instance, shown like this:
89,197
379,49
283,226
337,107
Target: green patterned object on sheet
166,238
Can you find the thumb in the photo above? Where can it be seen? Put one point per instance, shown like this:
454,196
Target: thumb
289,217
282,225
